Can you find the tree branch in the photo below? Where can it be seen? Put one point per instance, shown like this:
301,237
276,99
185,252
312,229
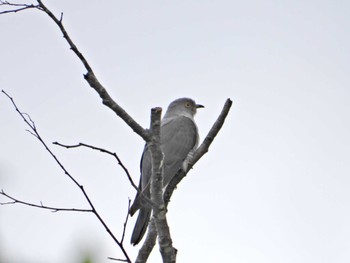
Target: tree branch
90,77
17,7
148,244
117,259
53,209
123,234
103,151
35,132
167,251
126,221
115,156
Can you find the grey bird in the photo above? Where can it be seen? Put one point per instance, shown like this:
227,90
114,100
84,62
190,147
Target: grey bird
178,141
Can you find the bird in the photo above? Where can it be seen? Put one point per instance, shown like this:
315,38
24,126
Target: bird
178,141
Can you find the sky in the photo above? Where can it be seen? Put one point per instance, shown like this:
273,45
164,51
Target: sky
274,186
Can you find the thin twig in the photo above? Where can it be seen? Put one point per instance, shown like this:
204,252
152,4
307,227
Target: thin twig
53,209
18,7
35,132
118,259
126,221
103,151
115,156
124,230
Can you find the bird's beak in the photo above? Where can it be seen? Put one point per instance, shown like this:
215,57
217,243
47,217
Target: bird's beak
198,106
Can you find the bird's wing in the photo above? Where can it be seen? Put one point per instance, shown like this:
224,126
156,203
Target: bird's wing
146,169
145,209
146,172
178,137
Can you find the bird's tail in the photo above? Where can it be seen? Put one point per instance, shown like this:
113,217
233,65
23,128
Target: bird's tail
141,225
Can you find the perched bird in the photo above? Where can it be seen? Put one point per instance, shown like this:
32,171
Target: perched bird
178,141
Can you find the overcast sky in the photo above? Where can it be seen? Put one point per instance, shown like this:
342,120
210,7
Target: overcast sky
274,186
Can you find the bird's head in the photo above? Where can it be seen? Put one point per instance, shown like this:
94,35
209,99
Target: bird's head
183,106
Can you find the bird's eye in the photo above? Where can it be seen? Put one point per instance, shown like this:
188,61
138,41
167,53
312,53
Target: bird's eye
187,105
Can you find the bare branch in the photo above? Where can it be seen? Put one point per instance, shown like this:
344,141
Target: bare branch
53,209
16,7
104,151
93,81
118,259
35,132
167,251
126,221
112,154
124,230
148,244
90,76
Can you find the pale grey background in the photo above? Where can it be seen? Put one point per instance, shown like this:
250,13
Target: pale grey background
274,186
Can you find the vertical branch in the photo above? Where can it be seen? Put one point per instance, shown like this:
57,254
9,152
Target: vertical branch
149,243
167,251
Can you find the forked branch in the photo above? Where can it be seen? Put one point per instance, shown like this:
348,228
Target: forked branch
112,154
34,131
